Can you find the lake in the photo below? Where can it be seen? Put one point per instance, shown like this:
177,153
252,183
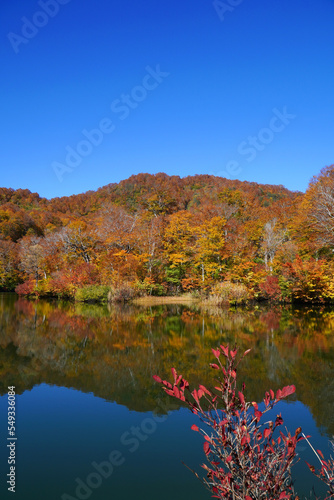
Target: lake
92,423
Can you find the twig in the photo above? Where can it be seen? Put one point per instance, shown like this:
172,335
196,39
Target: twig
317,456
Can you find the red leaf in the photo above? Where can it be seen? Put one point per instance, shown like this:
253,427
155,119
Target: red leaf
286,391
246,352
157,379
176,392
214,366
224,350
195,395
206,448
204,389
247,497
266,433
194,428
169,392
258,415
267,399
311,467
216,353
233,353
272,395
228,459
241,397
283,437
320,453
184,384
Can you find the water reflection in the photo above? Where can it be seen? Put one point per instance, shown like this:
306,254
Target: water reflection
114,351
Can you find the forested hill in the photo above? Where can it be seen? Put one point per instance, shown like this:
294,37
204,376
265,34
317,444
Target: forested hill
134,193
23,212
161,234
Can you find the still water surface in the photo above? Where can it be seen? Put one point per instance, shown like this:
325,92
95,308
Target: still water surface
92,423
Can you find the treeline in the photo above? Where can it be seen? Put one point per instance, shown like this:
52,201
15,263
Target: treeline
162,235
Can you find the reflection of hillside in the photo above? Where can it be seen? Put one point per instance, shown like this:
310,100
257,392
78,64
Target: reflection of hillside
114,352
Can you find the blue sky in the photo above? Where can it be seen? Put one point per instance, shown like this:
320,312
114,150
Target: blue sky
241,89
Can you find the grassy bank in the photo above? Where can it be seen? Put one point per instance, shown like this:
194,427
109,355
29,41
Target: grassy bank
186,298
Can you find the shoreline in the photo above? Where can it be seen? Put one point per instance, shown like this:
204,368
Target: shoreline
185,298
165,299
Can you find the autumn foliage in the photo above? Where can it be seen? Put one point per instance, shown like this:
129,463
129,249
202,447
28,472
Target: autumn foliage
248,457
164,235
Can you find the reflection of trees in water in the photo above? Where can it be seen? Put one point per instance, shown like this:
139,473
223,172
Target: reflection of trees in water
114,351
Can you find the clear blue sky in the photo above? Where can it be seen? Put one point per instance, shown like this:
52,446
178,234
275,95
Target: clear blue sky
220,82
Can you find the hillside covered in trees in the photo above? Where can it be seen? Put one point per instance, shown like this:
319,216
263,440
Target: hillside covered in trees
162,235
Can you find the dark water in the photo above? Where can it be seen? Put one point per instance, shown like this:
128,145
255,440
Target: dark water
92,423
